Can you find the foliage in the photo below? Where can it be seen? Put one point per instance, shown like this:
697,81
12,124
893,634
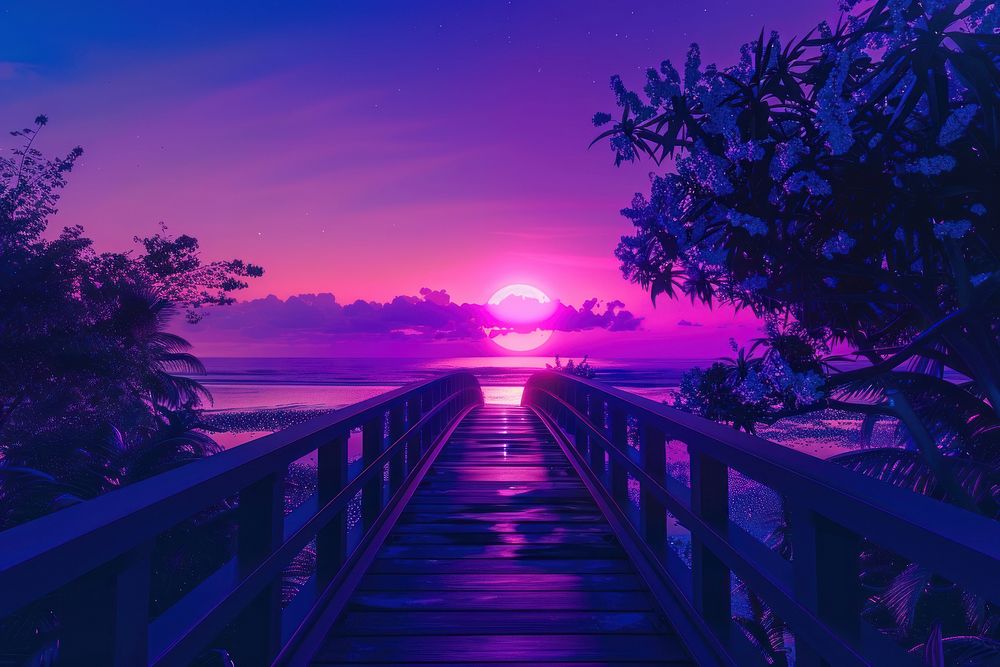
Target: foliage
908,600
911,604
583,369
908,470
965,651
764,630
846,183
91,396
744,390
842,187
173,268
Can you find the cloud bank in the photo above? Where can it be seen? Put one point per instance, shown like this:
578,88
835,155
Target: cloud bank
432,316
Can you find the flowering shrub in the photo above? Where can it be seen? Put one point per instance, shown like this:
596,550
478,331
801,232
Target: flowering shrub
843,187
845,183
785,379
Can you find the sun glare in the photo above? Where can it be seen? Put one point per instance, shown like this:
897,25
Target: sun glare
521,290
520,304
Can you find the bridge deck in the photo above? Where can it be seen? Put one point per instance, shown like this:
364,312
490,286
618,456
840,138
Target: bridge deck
501,556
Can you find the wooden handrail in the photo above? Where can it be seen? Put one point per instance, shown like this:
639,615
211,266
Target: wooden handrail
817,593
109,539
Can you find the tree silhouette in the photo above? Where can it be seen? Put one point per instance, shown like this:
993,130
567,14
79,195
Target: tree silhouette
91,392
843,188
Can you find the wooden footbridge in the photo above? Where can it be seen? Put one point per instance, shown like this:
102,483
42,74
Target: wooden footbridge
465,533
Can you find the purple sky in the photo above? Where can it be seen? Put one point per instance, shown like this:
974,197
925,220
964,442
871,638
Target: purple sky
372,150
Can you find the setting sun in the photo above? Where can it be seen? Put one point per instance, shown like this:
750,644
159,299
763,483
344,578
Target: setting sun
520,305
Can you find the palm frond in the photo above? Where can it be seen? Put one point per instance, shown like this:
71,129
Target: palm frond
908,470
904,592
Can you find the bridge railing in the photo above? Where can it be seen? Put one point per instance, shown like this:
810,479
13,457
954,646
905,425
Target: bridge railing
89,565
624,441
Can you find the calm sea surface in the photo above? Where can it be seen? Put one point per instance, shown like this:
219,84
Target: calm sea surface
252,384
300,383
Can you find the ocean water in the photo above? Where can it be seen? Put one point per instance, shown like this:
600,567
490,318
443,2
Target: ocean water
254,384
302,383
282,384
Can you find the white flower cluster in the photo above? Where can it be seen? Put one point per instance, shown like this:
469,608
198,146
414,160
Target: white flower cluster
776,377
841,244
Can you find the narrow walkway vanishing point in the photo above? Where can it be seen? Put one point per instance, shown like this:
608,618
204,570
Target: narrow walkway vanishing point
501,555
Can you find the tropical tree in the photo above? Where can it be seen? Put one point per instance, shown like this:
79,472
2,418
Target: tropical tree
90,383
843,183
92,391
843,188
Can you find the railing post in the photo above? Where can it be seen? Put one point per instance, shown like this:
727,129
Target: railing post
443,416
652,512
132,606
435,421
619,438
105,614
710,577
595,412
561,411
449,408
259,518
580,431
372,441
826,576
397,426
413,414
427,432
331,540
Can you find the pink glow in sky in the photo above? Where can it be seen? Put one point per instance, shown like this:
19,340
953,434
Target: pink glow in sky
370,150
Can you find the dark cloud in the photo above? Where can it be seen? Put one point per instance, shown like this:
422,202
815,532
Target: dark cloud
688,323
432,315
613,317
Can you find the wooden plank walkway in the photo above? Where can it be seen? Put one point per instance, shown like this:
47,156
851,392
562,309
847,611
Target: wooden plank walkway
501,556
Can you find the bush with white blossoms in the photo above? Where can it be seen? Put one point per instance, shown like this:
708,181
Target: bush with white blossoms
846,183
785,378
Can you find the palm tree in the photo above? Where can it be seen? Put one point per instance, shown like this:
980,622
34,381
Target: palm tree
145,423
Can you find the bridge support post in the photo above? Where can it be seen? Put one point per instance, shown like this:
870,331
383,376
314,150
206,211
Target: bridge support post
449,409
397,426
105,614
427,432
260,517
595,412
652,511
563,413
825,571
710,577
437,420
619,438
331,540
549,404
372,441
580,438
413,449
